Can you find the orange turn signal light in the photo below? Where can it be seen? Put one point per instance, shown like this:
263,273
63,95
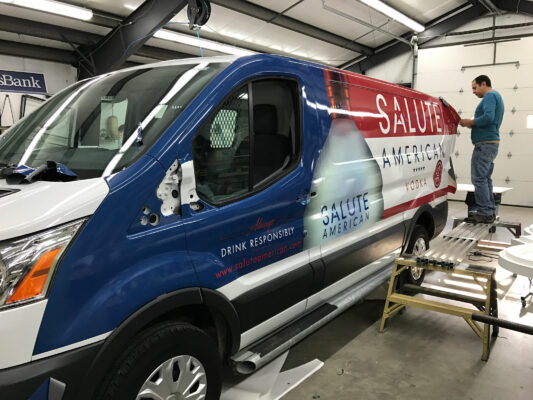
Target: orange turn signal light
33,284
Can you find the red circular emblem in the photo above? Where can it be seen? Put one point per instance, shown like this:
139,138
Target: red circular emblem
437,175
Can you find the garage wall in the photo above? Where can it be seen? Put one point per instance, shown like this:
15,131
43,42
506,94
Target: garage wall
448,72
57,76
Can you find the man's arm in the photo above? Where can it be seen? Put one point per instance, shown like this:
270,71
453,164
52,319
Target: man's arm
467,123
489,110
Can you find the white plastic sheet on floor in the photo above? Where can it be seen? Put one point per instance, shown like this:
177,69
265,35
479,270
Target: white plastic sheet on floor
269,383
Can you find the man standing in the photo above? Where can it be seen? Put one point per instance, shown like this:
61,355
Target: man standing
486,138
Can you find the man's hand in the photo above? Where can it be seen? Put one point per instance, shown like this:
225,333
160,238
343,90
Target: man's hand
467,123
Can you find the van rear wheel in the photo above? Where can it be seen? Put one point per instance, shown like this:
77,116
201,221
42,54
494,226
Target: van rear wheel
172,360
418,245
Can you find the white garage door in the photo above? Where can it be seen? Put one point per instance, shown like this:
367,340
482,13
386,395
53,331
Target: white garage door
442,72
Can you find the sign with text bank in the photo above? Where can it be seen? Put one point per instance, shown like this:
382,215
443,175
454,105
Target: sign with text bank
22,82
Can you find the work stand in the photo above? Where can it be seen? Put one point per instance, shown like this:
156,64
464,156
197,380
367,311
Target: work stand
401,295
514,227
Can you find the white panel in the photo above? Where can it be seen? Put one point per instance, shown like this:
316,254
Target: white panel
424,11
57,76
512,166
454,81
19,327
522,193
241,30
376,38
42,205
453,57
515,121
274,5
312,13
511,51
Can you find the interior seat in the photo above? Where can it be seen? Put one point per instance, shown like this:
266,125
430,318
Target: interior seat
271,149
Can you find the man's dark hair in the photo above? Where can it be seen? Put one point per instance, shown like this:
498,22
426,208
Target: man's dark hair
483,78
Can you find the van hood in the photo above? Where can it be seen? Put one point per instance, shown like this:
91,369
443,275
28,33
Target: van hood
30,208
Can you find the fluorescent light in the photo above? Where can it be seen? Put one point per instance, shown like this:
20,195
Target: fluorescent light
54,7
530,122
206,44
394,14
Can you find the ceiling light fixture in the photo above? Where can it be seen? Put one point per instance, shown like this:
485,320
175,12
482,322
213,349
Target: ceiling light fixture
206,44
54,7
394,14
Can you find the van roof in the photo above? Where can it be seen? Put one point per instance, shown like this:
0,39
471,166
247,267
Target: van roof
232,58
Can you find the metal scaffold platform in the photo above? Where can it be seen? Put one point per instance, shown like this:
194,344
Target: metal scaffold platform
453,253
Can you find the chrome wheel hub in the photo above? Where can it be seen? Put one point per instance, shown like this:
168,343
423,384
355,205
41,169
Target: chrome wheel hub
181,377
418,249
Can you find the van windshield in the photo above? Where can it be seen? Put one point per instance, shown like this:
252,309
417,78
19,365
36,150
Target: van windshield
100,126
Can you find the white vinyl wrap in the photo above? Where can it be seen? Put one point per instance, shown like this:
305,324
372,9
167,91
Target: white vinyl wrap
19,327
43,205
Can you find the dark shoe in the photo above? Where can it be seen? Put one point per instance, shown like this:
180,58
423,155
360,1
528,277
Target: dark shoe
487,219
473,218
480,219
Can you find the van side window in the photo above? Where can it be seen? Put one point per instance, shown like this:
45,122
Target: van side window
221,160
237,151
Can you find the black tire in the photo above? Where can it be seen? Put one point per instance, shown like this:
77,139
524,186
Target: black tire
416,276
160,344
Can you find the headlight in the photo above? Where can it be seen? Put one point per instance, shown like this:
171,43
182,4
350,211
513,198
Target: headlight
27,264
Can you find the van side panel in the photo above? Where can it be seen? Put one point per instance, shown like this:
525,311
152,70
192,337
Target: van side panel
116,265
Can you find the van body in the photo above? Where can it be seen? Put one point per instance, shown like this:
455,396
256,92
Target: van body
185,214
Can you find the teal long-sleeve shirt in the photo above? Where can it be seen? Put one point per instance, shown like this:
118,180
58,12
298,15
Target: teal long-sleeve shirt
488,118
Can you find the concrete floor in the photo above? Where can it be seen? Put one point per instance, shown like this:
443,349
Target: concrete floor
422,354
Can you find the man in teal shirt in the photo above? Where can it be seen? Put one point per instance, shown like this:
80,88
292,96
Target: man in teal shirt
486,139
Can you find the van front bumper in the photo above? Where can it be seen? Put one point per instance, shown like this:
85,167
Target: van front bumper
53,378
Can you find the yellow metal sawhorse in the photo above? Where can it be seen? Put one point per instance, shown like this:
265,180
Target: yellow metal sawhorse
483,276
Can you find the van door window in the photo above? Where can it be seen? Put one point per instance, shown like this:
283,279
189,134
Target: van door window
237,152
221,155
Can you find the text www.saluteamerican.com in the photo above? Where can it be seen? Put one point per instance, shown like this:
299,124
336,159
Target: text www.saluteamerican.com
247,262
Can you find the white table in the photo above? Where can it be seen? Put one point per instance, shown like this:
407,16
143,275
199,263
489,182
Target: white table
519,260
467,187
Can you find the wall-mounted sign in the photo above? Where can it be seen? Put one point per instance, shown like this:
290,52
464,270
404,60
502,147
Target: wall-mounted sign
22,82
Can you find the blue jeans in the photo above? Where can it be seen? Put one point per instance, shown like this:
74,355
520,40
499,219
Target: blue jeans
481,169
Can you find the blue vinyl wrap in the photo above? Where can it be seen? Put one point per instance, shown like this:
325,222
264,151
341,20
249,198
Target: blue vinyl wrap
116,265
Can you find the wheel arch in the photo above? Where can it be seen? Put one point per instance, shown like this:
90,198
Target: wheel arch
423,217
204,308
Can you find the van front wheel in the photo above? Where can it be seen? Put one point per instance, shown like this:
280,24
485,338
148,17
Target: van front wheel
418,245
172,360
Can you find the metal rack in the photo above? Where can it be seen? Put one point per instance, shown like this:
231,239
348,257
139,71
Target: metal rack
401,295
447,255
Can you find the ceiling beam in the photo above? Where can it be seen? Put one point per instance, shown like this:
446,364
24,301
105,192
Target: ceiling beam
10,48
440,26
129,36
267,15
47,31
76,38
